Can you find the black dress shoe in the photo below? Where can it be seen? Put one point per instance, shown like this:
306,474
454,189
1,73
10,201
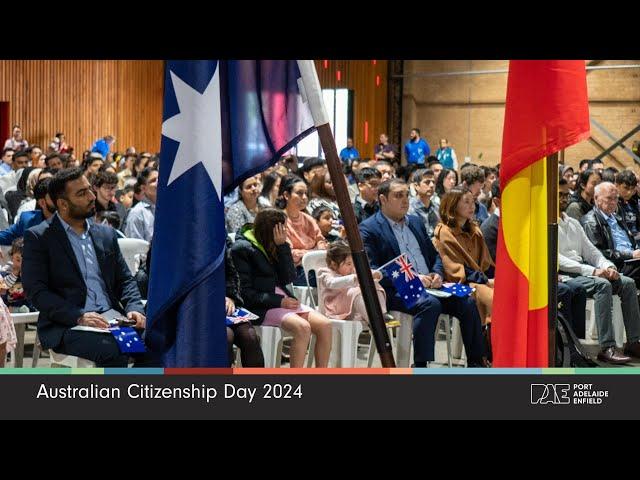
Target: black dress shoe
484,363
632,349
612,355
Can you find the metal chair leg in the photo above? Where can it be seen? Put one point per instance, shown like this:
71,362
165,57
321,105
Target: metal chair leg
37,348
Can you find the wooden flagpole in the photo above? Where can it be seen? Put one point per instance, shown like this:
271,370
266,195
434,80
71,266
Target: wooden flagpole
313,94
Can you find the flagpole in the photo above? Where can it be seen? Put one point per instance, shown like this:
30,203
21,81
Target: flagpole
552,237
313,94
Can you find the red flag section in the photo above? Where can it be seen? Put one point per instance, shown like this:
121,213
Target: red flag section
546,110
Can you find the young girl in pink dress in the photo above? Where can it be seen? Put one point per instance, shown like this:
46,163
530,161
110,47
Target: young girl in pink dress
339,294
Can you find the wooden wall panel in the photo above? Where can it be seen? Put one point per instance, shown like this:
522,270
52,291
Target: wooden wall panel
85,99
370,99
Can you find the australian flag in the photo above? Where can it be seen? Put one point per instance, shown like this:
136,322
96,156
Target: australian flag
405,280
223,121
458,289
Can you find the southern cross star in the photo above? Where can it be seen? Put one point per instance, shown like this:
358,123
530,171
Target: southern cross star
198,129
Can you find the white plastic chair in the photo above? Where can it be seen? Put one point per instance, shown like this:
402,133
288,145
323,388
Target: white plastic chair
60,360
132,249
271,344
20,322
372,346
271,339
344,342
313,261
405,337
348,331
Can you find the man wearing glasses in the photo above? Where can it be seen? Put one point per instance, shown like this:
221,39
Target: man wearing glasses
104,186
582,260
366,202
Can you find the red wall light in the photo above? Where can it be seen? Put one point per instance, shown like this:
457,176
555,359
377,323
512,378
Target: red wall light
374,61
338,74
326,63
377,80
366,132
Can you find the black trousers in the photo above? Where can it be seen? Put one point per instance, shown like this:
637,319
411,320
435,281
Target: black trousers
103,350
632,270
244,336
572,298
425,319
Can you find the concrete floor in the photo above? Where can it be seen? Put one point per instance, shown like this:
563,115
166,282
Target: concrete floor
591,347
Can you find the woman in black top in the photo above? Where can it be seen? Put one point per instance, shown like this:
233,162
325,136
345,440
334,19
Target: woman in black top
243,335
264,262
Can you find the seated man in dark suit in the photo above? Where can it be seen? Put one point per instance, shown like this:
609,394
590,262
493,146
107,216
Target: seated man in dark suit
390,232
73,271
44,211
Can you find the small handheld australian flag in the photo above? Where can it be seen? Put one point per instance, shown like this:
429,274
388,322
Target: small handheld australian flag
404,279
457,289
128,340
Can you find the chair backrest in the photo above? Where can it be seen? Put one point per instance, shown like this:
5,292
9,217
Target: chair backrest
9,181
130,248
24,318
313,261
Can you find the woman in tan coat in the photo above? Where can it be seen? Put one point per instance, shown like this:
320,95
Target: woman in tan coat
464,253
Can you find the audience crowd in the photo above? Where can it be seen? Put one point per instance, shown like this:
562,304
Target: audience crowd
441,213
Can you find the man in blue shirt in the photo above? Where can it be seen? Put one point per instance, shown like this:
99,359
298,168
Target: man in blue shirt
416,149
390,232
103,145
75,275
609,233
7,161
350,152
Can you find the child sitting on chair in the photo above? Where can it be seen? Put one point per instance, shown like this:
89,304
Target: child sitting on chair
338,290
11,289
329,226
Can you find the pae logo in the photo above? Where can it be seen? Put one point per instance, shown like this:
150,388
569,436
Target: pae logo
554,393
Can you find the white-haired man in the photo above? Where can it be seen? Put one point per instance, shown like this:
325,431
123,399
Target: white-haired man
610,234
579,258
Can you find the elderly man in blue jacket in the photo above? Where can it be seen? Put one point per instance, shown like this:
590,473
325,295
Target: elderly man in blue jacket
390,232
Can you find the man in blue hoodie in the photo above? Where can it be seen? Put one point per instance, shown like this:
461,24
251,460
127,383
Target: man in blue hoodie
416,149
103,145
44,211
